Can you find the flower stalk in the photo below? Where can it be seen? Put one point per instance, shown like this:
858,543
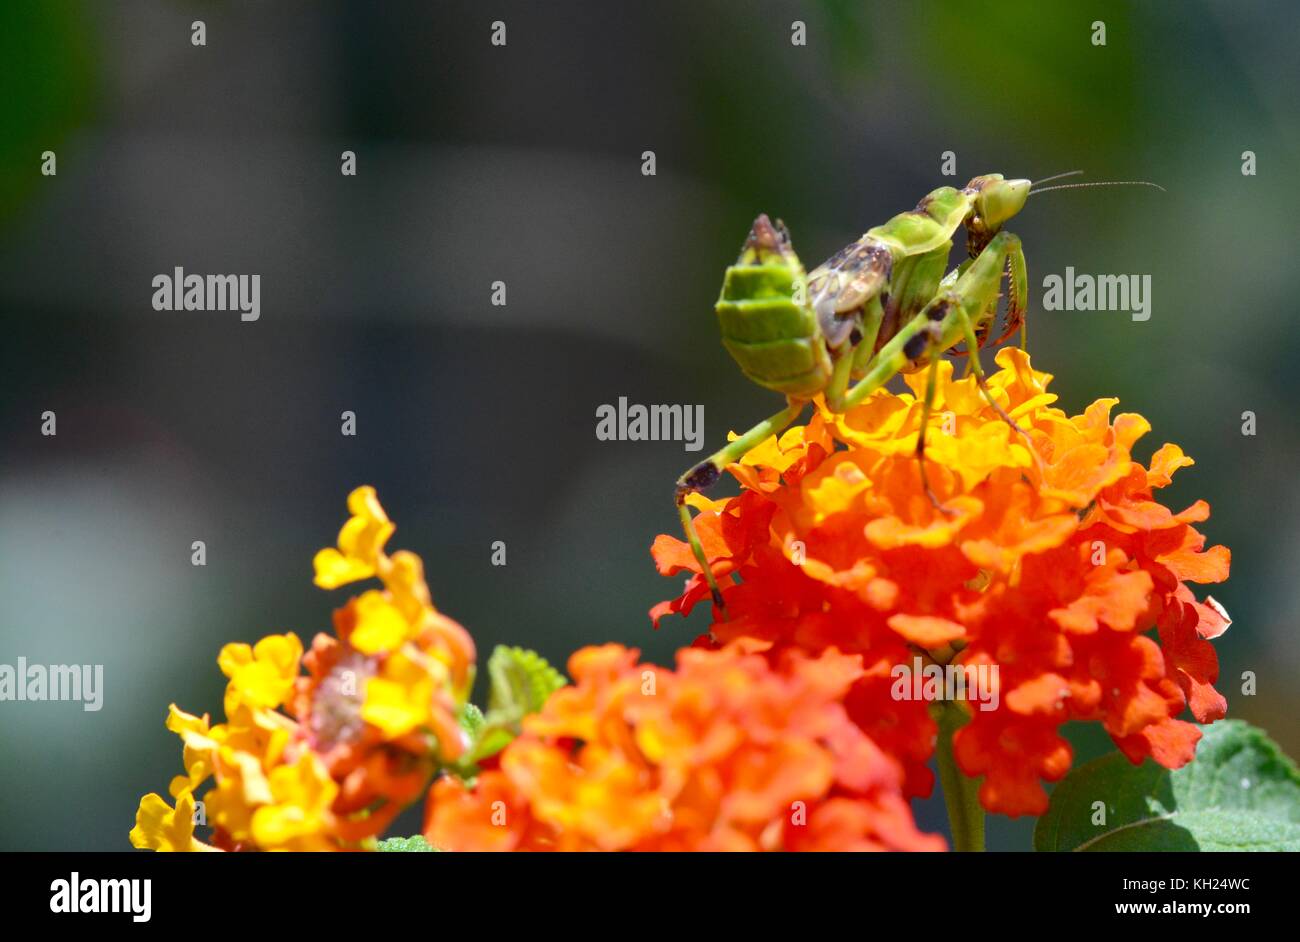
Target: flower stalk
960,792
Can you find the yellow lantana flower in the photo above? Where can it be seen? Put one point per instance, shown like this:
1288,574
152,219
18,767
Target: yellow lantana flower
261,676
159,826
404,579
298,816
361,542
263,734
401,698
380,627
197,754
242,786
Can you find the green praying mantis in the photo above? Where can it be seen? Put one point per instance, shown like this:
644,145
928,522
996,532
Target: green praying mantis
880,306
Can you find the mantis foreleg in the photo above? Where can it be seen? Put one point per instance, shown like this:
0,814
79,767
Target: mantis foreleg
947,319
976,294
969,330
1012,261
709,470
1005,253
927,407
937,327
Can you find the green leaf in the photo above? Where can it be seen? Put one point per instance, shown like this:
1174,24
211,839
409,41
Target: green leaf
1239,793
472,721
416,844
493,740
521,682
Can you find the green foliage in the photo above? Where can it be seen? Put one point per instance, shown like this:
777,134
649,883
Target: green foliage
416,844
47,71
485,740
1239,793
472,721
521,682
493,740
1060,63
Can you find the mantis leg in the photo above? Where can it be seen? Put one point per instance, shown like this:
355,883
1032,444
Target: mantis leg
873,316
969,330
883,367
888,362
926,408
946,320
949,280
1018,280
1006,249
973,292
852,361
704,474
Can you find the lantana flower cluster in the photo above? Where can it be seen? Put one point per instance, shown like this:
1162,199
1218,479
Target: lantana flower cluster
320,751
1049,556
1045,558
324,760
729,752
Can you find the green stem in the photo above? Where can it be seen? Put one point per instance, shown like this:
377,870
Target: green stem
960,792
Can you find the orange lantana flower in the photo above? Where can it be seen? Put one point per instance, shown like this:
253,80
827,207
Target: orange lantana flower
727,752
1051,559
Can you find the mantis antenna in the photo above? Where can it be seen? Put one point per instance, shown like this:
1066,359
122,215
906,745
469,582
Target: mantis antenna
1073,186
1056,176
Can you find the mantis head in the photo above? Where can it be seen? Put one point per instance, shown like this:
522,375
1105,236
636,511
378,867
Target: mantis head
998,199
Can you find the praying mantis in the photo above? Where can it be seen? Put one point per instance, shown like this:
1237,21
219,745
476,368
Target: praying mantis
880,306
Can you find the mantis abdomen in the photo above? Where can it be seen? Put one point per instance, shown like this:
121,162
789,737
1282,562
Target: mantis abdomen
775,339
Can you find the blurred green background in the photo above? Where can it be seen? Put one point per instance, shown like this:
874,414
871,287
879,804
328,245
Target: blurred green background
476,423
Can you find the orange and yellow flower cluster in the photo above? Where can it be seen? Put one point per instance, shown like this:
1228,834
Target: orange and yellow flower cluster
728,752
1045,557
325,760
734,750
1050,558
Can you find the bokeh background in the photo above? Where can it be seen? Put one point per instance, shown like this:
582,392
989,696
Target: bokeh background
477,423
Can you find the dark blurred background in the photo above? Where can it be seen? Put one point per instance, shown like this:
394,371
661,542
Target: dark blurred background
476,423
